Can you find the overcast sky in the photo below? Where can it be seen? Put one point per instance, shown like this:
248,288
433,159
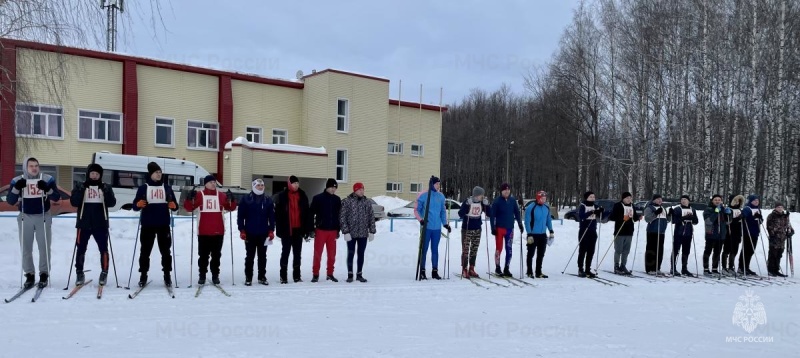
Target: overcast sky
457,45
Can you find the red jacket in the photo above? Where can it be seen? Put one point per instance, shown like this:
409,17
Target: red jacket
211,220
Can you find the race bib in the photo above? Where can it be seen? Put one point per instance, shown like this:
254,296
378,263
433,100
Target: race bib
156,195
93,195
663,214
686,212
737,213
628,211
590,209
755,211
31,191
210,204
475,210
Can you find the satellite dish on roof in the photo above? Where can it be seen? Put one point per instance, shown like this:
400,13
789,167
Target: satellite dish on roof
299,74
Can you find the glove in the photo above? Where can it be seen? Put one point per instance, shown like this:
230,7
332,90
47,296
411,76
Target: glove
521,228
141,203
371,237
271,235
598,211
192,194
494,232
530,239
659,211
242,235
21,183
449,230
307,238
337,235
728,211
626,218
347,237
786,213
552,235
42,185
421,222
758,216
602,209
172,206
312,234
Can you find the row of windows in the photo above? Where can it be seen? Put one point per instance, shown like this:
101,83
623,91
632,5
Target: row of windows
397,187
396,148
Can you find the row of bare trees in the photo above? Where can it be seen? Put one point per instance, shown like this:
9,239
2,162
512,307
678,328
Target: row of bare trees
673,97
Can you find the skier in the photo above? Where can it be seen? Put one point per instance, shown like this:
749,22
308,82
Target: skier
210,226
656,219
256,224
155,199
779,229
326,208
294,224
470,214
733,237
92,198
587,233
37,191
437,218
716,219
624,218
537,220
684,217
752,228
504,212
358,226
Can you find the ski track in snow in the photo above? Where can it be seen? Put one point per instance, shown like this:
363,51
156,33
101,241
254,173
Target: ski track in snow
391,315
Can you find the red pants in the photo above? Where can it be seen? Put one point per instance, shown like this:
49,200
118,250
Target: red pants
324,238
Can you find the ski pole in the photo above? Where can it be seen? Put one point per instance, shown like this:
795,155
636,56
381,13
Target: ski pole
191,249
133,257
172,238
597,268
230,221
488,261
636,245
599,226
75,248
763,250
576,250
752,247
113,261
46,239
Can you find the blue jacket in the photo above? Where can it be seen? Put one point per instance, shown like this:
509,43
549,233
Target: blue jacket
471,220
504,213
537,219
751,223
33,205
586,217
437,213
256,214
684,227
154,215
656,224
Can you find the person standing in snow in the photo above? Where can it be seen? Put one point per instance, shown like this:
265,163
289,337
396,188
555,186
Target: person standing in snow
92,198
752,228
37,191
733,237
294,224
326,209
716,222
358,226
210,226
537,220
504,212
256,224
780,230
656,219
155,199
683,217
470,214
588,215
437,218
624,218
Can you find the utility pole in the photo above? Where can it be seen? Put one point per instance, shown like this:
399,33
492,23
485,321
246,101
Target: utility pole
111,7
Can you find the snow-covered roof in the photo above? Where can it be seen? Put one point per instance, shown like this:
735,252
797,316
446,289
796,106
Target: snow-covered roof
289,148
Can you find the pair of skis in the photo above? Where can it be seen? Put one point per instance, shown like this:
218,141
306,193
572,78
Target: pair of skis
22,291
140,289
512,280
602,280
79,287
200,289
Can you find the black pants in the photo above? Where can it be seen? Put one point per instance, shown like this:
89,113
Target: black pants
148,238
361,243
731,246
748,249
586,248
101,237
681,244
209,245
294,243
654,252
255,244
539,244
712,247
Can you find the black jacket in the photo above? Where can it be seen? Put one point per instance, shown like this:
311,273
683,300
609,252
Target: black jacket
282,215
622,227
92,216
326,208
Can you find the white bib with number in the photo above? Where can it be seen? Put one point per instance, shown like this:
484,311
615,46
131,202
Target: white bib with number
210,204
755,211
686,212
475,210
628,210
737,213
93,195
31,191
663,214
590,209
156,195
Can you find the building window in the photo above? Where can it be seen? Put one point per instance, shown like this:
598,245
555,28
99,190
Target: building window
416,187
40,121
100,126
165,132
253,134
417,150
280,136
343,116
394,187
341,165
395,148
202,135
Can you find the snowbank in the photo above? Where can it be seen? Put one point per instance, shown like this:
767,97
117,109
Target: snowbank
390,202
291,148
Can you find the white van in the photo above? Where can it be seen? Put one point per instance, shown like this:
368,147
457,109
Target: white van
128,172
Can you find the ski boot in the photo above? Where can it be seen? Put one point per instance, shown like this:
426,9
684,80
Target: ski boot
625,270
465,273
103,278
581,273
350,276
263,281
421,276
435,274
331,278
497,270
529,273
30,280
472,272
706,272
80,278
360,278
167,279
685,272
590,274
248,281
43,278
315,278
202,279
142,280
715,273
751,273
507,273
541,275
215,279
283,278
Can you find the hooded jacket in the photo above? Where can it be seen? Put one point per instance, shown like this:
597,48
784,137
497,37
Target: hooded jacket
92,198
256,214
752,223
154,214
437,212
357,217
32,202
716,222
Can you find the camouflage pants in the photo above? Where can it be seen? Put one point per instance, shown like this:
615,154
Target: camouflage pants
470,240
778,243
776,247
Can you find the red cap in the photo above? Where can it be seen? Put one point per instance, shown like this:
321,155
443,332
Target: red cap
358,186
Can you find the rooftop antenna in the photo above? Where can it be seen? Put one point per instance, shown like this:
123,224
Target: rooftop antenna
111,7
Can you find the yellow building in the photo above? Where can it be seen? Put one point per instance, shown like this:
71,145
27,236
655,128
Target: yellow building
239,127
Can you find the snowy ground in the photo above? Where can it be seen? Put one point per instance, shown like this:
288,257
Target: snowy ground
390,316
